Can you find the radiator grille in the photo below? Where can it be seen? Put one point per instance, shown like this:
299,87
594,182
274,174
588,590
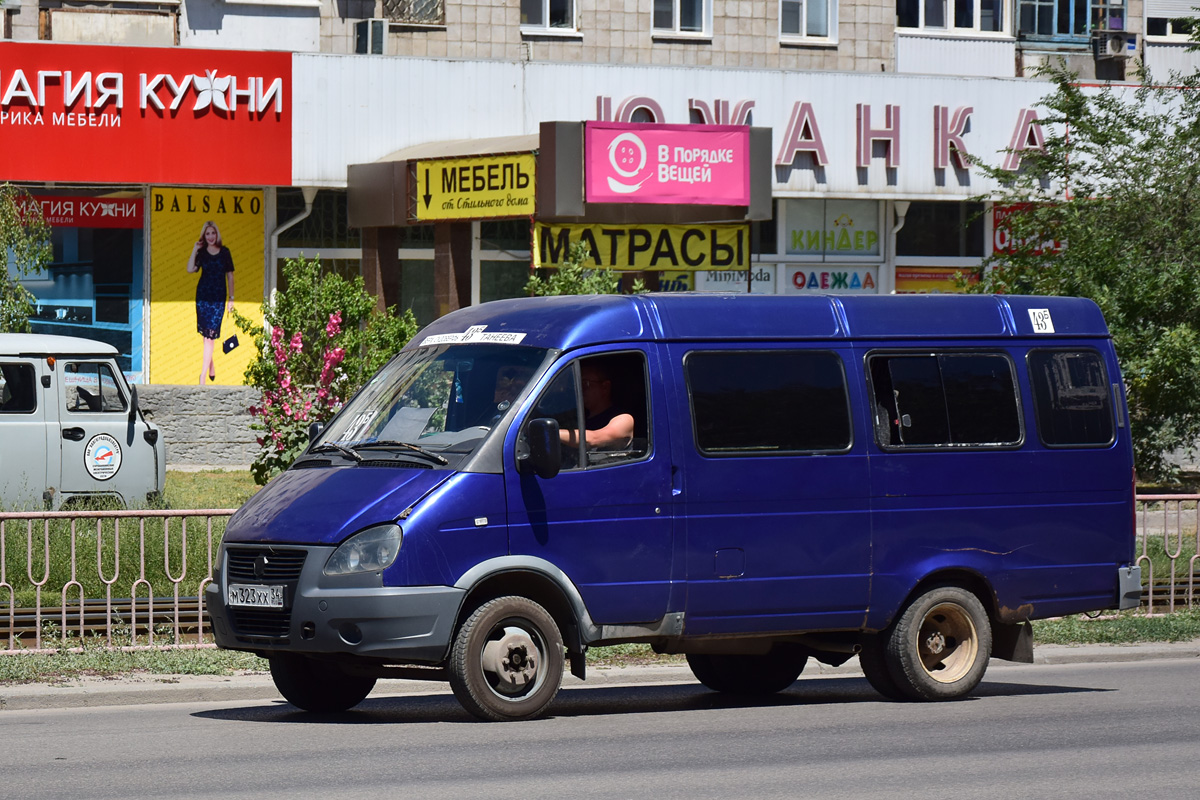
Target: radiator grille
278,566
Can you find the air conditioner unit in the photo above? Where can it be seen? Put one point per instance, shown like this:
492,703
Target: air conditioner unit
369,35
1114,44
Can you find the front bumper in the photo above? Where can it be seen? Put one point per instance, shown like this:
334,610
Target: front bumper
351,615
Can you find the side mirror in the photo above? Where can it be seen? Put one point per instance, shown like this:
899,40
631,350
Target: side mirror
314,430
544,458
133,404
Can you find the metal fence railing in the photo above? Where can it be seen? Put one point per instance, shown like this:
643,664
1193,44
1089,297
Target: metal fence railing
127,579
135,579
1167,551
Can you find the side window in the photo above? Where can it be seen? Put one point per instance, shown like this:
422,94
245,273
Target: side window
1071,398
768,402
944,399
605,397
18,390
91,386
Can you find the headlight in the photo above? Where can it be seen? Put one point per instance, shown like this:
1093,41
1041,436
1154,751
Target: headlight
368,551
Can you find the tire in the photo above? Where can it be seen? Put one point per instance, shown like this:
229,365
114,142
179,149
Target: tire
318,686
753,675
872,659
939,647
506,662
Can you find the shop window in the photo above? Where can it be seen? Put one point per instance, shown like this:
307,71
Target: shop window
547,15
946,399
682,17
768,402
957,16
326,227
1071,398
508,236
807,19
500,280
830,230
942,229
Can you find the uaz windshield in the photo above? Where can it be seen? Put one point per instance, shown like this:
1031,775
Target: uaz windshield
443,399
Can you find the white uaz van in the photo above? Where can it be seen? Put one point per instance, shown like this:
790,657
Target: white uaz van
70,426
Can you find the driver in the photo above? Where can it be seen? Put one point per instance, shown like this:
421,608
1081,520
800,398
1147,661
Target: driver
606,426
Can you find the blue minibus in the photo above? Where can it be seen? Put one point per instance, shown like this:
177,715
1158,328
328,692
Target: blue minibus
748,481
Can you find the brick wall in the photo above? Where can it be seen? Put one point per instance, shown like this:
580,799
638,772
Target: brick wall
203,426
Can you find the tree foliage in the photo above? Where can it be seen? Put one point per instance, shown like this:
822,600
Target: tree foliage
1117,187
571,277
323,339
25,238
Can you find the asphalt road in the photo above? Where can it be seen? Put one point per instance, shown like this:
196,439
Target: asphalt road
1031,731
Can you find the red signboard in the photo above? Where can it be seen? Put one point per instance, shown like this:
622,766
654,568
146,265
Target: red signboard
1003,240
145,115
62,211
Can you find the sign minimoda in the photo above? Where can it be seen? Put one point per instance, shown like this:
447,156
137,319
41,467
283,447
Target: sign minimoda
649,163
145,115
646,247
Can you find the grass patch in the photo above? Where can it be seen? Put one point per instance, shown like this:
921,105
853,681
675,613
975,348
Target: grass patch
1128,627
98,662
214,488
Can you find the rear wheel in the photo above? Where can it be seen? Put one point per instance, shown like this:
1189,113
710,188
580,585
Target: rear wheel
748,674
507,660
872,658
320,686
940,646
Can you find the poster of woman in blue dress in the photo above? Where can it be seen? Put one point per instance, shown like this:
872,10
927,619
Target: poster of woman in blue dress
214,291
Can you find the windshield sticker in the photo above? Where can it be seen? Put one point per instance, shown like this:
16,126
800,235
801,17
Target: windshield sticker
1042,323
475,333
102,457
358,426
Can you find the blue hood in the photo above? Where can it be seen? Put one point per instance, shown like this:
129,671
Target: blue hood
326,505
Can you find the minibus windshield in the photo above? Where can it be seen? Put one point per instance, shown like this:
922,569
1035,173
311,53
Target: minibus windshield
432,400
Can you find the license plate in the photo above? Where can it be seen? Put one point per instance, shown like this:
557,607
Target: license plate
241,594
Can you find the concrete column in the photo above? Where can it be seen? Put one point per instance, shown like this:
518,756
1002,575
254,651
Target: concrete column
451,267
380,258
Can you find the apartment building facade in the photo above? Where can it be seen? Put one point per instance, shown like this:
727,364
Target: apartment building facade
260,114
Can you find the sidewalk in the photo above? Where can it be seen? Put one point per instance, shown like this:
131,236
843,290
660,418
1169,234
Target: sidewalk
143,689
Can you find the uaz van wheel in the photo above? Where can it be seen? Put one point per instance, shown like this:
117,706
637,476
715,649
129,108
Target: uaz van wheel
748,674
507,660
316,685
939,647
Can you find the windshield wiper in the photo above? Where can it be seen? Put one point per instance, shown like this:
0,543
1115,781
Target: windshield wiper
346,451
387,444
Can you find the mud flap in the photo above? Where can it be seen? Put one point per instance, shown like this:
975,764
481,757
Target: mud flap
1013,641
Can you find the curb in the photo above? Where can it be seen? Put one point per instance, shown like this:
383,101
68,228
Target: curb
156,689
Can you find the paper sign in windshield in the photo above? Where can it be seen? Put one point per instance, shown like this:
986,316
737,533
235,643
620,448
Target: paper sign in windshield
473,334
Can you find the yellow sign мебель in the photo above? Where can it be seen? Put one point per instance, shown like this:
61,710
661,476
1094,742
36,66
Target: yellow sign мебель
480,187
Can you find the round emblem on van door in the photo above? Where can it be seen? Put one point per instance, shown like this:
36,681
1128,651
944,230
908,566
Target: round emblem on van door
102,456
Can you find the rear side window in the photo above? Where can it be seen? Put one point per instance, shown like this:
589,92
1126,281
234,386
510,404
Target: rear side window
944,399
1071,398
18,394
768,402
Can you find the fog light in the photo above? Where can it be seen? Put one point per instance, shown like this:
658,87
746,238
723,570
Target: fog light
350,633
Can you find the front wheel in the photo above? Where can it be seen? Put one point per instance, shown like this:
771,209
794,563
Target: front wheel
939,647
319,686
507,660
748,674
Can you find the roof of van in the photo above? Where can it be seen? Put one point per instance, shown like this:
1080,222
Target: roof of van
44,344
572,321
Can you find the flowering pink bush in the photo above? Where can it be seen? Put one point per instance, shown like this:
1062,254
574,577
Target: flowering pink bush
325,340
289,408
